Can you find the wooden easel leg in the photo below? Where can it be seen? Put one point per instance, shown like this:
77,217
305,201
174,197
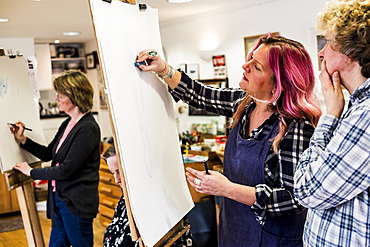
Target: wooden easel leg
141,244
175,233
177,236
30,216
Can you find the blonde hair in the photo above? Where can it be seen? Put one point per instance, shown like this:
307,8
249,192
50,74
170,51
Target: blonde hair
349,23
77,87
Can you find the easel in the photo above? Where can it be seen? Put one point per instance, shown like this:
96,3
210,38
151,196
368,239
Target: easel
175,233
22,185
13,69
179,229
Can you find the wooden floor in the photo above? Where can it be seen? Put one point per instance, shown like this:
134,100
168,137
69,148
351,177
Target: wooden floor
18,238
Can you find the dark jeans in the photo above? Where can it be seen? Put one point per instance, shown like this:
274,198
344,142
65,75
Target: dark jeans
69,229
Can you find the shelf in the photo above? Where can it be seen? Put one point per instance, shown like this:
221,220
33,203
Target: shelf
65,56
218,82
67,59
67,50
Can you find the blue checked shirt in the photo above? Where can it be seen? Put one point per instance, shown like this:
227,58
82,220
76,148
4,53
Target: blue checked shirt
333,177
275,197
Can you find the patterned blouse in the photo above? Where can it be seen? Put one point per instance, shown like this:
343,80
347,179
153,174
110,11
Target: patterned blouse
118,232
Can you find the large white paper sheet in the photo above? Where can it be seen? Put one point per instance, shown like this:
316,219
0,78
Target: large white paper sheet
143,117
17,104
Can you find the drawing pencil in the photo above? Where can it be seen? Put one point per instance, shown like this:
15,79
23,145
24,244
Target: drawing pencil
206,167
23,127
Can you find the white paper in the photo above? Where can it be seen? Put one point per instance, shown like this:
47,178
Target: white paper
17,104
144,118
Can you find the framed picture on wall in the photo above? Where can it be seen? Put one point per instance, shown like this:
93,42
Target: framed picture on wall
249,41
90,61
193,70
103,99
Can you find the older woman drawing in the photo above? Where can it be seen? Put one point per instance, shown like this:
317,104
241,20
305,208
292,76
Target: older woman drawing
273,113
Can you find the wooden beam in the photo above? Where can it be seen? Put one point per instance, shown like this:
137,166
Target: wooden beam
30,217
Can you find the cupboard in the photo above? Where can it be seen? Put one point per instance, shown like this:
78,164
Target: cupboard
9,200
109,192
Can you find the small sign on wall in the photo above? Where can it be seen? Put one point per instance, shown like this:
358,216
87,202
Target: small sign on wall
219,66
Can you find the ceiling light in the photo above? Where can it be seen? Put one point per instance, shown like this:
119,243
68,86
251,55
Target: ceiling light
71,33
57,41
179,1
4,20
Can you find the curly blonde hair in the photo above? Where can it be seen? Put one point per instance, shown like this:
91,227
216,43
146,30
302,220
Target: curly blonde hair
349,23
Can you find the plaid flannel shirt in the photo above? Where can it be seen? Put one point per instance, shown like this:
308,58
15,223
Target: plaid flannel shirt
275,197
333,177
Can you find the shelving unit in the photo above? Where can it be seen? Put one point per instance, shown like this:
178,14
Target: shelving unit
66,56
194,112
53,59
221,83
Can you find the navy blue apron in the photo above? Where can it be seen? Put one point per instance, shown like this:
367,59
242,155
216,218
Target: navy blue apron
244,164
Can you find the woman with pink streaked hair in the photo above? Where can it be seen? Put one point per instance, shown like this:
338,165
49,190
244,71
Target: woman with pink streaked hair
273,115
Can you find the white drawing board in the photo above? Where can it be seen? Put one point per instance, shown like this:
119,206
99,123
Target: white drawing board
17,104
143,117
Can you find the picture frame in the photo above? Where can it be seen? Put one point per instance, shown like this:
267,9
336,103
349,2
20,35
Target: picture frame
103,99
250,40
90,61
193,70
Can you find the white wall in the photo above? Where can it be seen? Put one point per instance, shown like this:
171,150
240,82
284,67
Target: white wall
24,45
103,114
182,39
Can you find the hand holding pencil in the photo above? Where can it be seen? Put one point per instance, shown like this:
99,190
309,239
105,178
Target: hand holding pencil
17,129
13,125
211,183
